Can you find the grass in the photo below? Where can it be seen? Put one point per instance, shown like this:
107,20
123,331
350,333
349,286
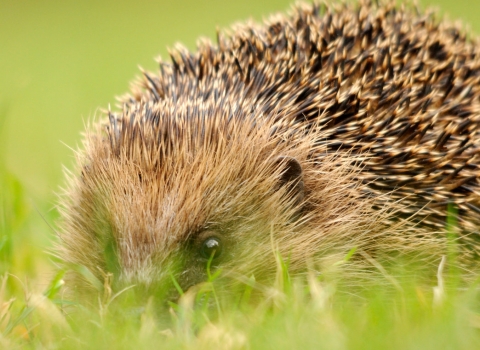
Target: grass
58,63
293,313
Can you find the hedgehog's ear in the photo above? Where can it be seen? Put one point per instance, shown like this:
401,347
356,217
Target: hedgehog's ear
292,176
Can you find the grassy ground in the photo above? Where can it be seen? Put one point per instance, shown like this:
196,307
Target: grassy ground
59,62
303,313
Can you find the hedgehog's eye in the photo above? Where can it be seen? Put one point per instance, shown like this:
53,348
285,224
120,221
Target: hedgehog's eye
212,246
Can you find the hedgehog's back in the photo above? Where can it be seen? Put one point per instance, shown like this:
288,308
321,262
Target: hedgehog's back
397,86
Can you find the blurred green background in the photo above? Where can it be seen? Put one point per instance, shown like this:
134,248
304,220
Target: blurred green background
62,60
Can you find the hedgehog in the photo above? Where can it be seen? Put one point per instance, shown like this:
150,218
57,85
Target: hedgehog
329,130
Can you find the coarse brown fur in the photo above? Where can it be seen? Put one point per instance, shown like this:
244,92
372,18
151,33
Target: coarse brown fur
311,134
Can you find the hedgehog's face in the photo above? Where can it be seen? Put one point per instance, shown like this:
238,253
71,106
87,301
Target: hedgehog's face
217,220
156,215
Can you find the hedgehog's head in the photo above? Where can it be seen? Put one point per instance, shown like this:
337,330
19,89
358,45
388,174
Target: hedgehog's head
163,192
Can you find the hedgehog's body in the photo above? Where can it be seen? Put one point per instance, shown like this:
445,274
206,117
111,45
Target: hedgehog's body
311,134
